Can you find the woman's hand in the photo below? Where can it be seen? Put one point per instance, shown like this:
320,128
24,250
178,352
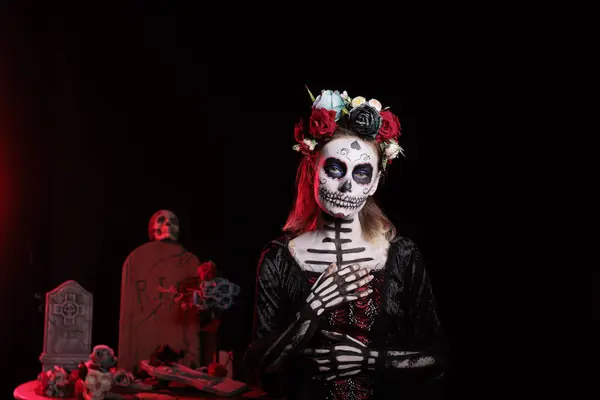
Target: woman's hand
333,287
338,285
347,356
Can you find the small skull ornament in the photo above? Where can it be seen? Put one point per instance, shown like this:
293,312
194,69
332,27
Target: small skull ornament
97,384
164,225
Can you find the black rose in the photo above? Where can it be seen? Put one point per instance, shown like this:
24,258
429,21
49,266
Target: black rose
364,120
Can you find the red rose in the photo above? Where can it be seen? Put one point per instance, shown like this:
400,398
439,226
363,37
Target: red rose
74,375
299,132
44,379
216,369
79,389
390,126
207,271
322,122
42,385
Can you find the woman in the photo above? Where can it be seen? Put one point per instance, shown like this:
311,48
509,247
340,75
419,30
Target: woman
344,307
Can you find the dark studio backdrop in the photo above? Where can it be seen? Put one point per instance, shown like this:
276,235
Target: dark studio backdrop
106,120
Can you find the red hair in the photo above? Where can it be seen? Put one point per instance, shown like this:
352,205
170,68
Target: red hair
303,217
304,213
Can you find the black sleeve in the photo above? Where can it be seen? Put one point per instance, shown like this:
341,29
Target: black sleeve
276,325
420,329
425,327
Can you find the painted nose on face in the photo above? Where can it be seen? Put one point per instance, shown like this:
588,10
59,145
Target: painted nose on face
345,186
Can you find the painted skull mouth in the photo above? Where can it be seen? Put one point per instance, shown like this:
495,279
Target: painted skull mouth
341,200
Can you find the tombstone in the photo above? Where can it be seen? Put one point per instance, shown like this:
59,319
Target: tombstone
67,326
151,317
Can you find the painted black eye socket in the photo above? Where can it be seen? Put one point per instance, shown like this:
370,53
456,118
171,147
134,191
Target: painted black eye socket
161,219
363,173
335,168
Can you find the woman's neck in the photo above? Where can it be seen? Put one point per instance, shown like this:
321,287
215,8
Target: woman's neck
347,237
340,241
345,229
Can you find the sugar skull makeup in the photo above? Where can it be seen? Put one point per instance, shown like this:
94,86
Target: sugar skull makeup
347,174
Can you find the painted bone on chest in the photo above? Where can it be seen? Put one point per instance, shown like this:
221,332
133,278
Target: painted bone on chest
315,251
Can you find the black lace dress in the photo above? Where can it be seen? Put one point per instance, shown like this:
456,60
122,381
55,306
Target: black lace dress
399,315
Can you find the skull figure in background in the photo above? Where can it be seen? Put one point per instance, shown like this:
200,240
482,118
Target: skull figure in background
164,225
97,384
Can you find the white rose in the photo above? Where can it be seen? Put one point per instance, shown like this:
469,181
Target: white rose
375,104
357,101
392,149
310,143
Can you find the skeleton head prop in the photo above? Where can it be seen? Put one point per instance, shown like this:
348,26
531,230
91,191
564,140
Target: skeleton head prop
163,225
346,175
97,384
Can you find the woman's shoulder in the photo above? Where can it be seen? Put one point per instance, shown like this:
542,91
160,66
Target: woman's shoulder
276,258
278,244
274,251
403,243
405,251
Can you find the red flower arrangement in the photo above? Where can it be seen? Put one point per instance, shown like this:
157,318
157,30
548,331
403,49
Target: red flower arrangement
57,382
366,118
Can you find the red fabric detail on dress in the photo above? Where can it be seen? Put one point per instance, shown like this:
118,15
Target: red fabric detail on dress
356,319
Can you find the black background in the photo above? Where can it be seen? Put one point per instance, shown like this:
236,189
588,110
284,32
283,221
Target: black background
106,119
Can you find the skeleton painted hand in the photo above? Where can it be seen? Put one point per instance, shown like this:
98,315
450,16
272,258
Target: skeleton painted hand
345,358
349,356
333,287
338,285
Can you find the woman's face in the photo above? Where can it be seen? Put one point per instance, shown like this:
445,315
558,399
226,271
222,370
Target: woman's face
346,175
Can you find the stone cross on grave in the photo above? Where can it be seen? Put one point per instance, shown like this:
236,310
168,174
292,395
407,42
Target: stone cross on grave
67,326
68,309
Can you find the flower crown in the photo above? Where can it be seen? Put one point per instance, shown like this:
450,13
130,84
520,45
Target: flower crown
366,118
